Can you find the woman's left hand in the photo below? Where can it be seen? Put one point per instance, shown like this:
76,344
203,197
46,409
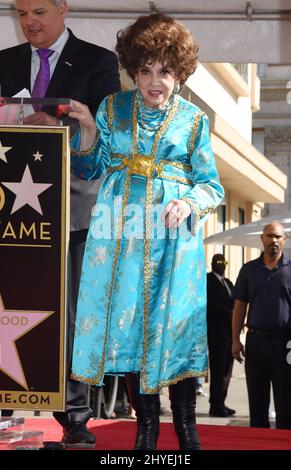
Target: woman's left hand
175,212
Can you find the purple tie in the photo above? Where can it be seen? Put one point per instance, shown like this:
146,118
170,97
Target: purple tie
43,77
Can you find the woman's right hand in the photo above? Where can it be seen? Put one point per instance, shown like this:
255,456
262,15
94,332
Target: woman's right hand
87,123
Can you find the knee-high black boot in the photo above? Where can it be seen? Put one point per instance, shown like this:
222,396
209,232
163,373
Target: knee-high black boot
183,404
147,413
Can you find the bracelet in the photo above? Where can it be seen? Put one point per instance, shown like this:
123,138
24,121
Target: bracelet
59,122
192,205
83,153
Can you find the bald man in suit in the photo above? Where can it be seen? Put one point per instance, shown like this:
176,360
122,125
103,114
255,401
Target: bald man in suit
87,73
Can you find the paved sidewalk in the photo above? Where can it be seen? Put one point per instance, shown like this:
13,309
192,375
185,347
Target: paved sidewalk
236,399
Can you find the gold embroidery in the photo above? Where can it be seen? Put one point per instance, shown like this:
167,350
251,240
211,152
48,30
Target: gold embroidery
179,179
159,169
134,126
146,282
197,120
149,189
164,127
84,153
197,212
81,378
208,210
166,383
114,267
110,111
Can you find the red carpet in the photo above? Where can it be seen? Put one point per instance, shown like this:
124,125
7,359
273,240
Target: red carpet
119,435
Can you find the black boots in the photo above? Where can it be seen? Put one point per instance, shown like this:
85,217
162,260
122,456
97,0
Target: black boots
183,404
147,409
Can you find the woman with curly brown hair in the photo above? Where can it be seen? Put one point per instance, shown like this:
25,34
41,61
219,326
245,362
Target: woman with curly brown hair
141,308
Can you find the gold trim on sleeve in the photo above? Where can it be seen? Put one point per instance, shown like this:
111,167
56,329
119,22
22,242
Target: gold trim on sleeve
198,212
194,208
196,123
85,153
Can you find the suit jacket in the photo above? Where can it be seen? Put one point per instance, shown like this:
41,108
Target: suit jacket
219,306
85,72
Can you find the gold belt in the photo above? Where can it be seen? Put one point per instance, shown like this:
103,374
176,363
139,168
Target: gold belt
140,165
137,165
144,165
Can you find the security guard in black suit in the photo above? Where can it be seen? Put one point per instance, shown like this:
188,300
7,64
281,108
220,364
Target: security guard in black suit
219,315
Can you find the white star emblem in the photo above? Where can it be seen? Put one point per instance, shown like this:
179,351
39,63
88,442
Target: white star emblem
27,192
3,150
37,156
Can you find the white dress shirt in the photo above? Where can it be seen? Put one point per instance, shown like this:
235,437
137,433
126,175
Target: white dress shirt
223,281
57,47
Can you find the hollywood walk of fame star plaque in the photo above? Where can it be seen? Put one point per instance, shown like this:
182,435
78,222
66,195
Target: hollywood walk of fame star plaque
34,212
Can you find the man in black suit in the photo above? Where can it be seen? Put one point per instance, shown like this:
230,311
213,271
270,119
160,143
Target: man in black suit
219,316
87,73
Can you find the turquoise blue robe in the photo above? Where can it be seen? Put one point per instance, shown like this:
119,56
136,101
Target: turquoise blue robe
142,297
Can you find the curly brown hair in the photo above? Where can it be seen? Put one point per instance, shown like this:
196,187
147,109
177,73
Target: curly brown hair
157,38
